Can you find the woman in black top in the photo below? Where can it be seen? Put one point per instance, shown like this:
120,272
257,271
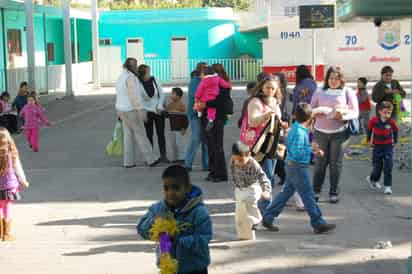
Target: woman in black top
153,102
224,107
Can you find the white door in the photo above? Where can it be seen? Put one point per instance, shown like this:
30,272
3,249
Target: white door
135,49
179,60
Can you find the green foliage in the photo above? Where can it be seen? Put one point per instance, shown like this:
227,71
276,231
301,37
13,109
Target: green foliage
161,4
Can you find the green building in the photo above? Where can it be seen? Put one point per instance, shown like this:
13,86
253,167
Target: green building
48,44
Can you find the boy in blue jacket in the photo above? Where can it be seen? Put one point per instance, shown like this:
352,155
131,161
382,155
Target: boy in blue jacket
297,174
184,201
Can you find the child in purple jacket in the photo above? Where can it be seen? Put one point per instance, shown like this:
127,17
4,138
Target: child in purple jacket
32,114
12,179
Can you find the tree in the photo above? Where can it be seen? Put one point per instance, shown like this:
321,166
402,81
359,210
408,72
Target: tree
163,4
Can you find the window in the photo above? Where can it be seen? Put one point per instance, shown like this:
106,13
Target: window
291,11
50,52
105,42
14,41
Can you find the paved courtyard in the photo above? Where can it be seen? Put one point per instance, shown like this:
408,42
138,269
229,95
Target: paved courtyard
79,215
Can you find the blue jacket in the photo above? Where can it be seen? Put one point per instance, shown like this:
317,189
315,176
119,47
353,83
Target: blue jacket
191,246
194,82
19,102
298,144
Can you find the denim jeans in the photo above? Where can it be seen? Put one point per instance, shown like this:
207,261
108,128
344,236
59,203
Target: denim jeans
268,166
382,160
193,145
297,179
333,146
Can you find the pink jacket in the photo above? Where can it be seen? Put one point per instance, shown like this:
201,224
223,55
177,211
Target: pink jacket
32,115
208,88
5,106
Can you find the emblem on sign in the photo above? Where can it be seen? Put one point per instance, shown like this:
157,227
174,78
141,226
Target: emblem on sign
389,35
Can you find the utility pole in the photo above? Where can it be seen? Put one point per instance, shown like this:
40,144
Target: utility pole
67,47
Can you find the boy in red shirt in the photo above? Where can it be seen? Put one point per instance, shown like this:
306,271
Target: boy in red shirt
364,104
383,134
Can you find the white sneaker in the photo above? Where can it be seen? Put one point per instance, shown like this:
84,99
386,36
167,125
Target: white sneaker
373,185
388,190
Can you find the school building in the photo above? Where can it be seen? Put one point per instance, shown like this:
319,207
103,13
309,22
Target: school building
48,45
172,41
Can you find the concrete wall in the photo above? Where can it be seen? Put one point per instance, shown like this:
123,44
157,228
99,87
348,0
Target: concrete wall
355,46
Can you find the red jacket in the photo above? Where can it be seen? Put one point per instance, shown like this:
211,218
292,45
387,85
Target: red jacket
365,105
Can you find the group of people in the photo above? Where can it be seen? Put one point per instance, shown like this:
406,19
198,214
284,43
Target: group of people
142,105
315,132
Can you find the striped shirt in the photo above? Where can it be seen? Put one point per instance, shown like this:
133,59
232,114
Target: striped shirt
382,133
249,174
298,145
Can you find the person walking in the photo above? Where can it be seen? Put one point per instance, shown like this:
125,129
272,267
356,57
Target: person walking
130,111
153,103
297,177
197,139
383,135
339,104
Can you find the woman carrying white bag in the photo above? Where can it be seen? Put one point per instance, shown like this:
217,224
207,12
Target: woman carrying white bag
132,115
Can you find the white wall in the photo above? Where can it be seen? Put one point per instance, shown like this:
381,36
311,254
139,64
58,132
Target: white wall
354,46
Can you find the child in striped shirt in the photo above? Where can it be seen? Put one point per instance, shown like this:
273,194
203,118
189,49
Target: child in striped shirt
251,184
382,134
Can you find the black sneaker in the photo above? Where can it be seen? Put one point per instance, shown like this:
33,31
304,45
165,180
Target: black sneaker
155,163
324,228
219,179
317,197
164,160
270,227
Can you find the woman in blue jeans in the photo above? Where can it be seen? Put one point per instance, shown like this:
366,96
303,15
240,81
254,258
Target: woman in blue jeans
197,137
263,105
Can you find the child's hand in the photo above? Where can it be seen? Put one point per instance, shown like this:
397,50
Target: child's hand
284,125
266,195
25,184
319,153
316,150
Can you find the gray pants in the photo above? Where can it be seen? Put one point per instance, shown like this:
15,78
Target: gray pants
135,135
363,121
333,146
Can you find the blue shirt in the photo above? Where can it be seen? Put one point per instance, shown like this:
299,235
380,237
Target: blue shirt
194,82
298,145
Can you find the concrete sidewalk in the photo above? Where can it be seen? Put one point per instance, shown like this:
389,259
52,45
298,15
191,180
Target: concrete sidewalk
80,212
